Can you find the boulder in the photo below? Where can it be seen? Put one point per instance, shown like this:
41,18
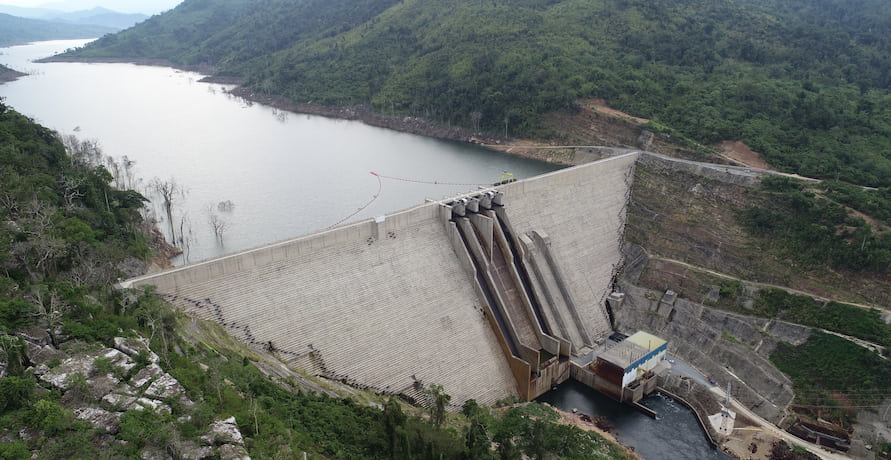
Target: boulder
84,364
191,451
232,452
118,401
43,354
146,375
154,453
151,404
101,419
165,387
133,346
224,432
36,336
118,359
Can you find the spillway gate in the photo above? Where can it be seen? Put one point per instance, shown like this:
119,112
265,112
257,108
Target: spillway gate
529,309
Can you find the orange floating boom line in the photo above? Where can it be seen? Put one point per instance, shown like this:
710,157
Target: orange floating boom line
380,186
433,182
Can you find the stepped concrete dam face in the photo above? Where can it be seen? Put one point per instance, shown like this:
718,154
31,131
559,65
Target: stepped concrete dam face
489,294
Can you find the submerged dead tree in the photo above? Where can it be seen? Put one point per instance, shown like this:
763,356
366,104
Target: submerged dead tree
218,224
170,193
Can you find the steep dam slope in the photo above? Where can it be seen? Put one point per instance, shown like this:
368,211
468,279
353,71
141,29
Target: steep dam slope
389,303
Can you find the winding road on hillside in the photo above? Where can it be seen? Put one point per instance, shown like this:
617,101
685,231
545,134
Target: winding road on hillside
767,285
508,148
775,431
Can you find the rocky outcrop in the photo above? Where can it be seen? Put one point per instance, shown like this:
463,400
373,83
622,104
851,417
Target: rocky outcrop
102,384
724,346
225,434
133,346
104,420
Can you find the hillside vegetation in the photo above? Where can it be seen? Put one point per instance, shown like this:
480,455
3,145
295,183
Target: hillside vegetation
804,82
17,31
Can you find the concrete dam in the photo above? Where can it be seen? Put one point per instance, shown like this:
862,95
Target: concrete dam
490,294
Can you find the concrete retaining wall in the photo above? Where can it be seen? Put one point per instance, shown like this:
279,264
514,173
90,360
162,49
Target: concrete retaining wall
719,344
732,174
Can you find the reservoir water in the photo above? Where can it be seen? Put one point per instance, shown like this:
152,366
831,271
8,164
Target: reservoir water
286,174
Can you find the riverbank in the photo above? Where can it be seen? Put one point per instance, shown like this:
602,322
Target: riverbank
745,438
752,438
203,69
406,124
524,148
576,420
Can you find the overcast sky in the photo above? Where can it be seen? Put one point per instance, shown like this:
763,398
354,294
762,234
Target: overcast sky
123,6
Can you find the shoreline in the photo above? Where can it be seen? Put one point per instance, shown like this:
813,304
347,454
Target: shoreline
525,148
407,124
203,69
568,418
11,76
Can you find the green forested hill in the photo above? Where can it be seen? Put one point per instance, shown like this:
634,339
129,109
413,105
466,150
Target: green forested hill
15,30
805,82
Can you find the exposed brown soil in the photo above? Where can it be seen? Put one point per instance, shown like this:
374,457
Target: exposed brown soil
740,153
595,123
750,444
600,106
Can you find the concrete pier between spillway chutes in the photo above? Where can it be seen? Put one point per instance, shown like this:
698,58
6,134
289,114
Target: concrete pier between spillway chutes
395,303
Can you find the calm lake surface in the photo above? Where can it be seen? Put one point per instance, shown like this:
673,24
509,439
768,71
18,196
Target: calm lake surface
287,174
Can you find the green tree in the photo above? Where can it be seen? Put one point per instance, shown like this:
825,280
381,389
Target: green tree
476,441
438,401
14,353
394,425
50,417
15,393
14,450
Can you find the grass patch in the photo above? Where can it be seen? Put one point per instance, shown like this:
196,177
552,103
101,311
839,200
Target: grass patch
729,338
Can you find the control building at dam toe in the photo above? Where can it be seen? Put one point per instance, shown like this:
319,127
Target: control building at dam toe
490,294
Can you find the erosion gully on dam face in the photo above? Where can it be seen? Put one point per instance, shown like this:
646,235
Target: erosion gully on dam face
673,434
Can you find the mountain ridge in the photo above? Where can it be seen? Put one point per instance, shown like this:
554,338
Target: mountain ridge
805,83
16,31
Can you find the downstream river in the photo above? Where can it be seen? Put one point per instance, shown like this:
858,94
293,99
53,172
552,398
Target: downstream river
286,174
674,434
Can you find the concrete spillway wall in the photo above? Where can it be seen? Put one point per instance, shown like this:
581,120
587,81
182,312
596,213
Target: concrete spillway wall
582,210
386,303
